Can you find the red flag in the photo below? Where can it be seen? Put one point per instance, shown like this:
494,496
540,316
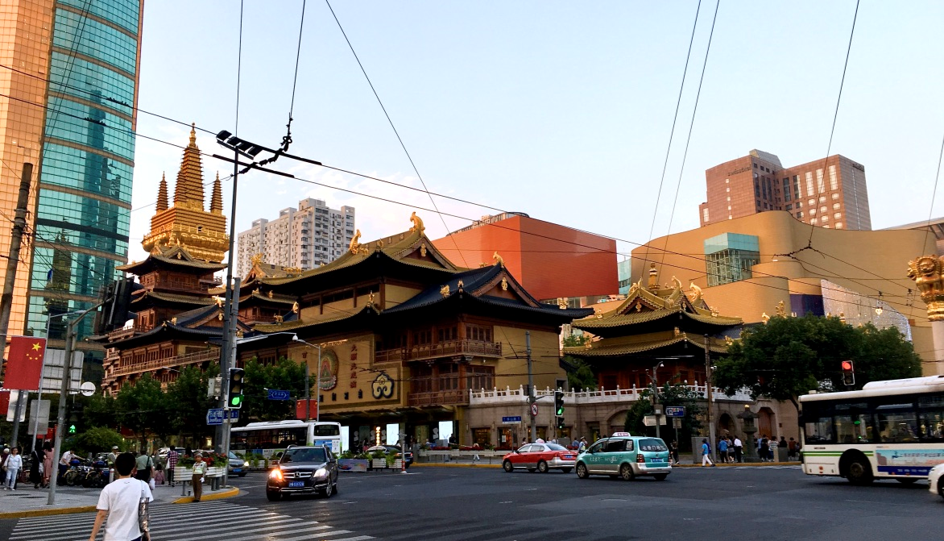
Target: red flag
301,410
25,363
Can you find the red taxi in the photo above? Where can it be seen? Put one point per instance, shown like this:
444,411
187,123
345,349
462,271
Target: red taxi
540,457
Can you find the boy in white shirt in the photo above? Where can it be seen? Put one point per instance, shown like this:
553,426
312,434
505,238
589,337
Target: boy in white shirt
119,503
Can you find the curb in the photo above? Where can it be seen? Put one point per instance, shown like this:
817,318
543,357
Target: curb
48,512
231,492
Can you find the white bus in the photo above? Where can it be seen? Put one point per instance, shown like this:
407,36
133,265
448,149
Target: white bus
889,430
268,438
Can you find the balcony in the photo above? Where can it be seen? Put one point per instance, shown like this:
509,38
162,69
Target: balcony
439,398
475,348
508,395
166,362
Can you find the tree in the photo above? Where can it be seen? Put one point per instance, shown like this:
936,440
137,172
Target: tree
95,440
582,377
188,402
669,395
790,356
142,407
100,411
284,374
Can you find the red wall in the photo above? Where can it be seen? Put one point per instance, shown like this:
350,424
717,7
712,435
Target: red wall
549,260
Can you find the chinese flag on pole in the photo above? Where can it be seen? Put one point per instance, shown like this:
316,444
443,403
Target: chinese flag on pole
25,363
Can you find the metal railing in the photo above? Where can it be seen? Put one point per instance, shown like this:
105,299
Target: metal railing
168,362
437,398
519,395
441,349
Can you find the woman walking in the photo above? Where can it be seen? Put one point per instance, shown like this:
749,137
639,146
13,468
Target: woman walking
36,467
13,466
47,463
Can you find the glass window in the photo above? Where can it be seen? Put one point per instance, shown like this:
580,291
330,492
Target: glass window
819,430
897,426
931,427
652,445
856,428
617,446
597,447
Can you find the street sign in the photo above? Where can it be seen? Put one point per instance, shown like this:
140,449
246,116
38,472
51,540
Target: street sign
534,410
675,411
677,422
275,394
511,420
650,420
215,417
232,416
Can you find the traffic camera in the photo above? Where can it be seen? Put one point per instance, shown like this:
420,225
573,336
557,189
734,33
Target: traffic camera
237,378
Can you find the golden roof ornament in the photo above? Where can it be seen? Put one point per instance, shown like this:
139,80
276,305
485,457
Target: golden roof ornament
677,332
781,309
370,299
279,319
295,307
444,290
639,307
728,340
588,344
653,277
173,321
928,274
498,259
269,294
219,301
504,284
694,293
256,259
460,285
764,317
423,250
417,223
380,245
219,316
562,303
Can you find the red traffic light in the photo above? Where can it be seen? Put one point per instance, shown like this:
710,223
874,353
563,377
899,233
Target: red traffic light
847,366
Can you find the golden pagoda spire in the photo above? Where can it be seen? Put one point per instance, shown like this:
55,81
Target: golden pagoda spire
216,200
162,194
189,190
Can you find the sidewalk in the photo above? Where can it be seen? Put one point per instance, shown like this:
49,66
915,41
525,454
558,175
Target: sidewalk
28,502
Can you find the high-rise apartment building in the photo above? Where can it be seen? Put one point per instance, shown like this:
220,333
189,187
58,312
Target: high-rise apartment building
831,193
304,238
70,71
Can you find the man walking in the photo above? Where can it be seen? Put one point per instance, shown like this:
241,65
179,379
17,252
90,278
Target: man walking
738,449
172,457
143,464
118,503
199,470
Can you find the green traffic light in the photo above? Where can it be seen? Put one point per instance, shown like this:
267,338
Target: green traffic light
235,401
71,429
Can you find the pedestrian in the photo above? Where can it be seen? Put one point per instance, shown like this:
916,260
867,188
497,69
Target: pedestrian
3,461
144,465
199,470
583,445
723,450
36,468
738,449
119,503
47,463
705,452
64,462
764,449
12,466
172,457
675,452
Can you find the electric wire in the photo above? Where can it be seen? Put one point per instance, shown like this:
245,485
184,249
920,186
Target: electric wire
937,177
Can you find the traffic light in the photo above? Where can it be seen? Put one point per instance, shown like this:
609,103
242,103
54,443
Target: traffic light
848,373
560,423
72,429
559,403
236,384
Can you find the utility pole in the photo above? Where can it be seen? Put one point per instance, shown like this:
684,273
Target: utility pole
531,399
6,300
228,347
711,426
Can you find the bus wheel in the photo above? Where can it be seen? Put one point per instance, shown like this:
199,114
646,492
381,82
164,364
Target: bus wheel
859,470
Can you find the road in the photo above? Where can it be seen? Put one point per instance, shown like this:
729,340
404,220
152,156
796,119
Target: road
445,504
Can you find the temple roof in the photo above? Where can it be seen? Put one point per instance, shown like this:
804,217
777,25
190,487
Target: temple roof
616,347
170,256
190,325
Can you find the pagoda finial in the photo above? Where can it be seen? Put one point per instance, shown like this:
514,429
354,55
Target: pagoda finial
189,190
653,277
216,200
193,134
162,194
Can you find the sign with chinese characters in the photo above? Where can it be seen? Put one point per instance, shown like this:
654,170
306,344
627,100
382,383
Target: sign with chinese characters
353,382
914,462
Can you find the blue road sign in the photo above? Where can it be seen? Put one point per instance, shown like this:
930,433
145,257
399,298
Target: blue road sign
675,411
275,394
215,417
232,415
515,419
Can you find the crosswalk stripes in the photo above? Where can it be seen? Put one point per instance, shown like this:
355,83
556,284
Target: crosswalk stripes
216,520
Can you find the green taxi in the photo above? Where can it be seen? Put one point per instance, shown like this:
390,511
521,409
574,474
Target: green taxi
626,456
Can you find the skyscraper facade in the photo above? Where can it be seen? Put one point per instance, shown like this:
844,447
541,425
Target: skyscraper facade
70,68
304,238
830,193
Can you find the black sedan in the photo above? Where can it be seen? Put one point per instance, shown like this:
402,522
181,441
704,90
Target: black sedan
303,470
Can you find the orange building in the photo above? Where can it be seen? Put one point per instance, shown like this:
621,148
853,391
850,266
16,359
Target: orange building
550,260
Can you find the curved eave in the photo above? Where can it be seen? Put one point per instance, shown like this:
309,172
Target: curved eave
625,350
461,301
166,332
640,323
299,325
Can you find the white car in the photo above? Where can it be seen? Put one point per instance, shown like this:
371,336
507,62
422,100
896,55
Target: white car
936,478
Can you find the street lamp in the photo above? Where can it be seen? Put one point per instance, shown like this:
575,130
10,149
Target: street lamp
295,338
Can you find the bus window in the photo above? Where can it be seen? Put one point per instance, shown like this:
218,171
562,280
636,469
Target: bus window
327,430
897,427
819,430
856,428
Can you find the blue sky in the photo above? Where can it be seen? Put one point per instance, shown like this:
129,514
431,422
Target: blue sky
562,110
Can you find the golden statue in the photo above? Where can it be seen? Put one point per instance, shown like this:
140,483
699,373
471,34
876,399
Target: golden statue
764,317
256,259
694,293
295,307
355,242
417,223
444,290
504,284
928,274
562,303
498,259
781,309
423,250
173,321
460,285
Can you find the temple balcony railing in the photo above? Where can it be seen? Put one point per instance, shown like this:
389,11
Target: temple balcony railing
508,395
475,348
166,362
451,397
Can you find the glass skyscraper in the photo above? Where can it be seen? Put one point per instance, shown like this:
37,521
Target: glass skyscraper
84,67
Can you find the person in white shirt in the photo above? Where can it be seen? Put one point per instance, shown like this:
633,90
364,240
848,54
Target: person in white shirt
738,449
64,463
118,503
13,466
